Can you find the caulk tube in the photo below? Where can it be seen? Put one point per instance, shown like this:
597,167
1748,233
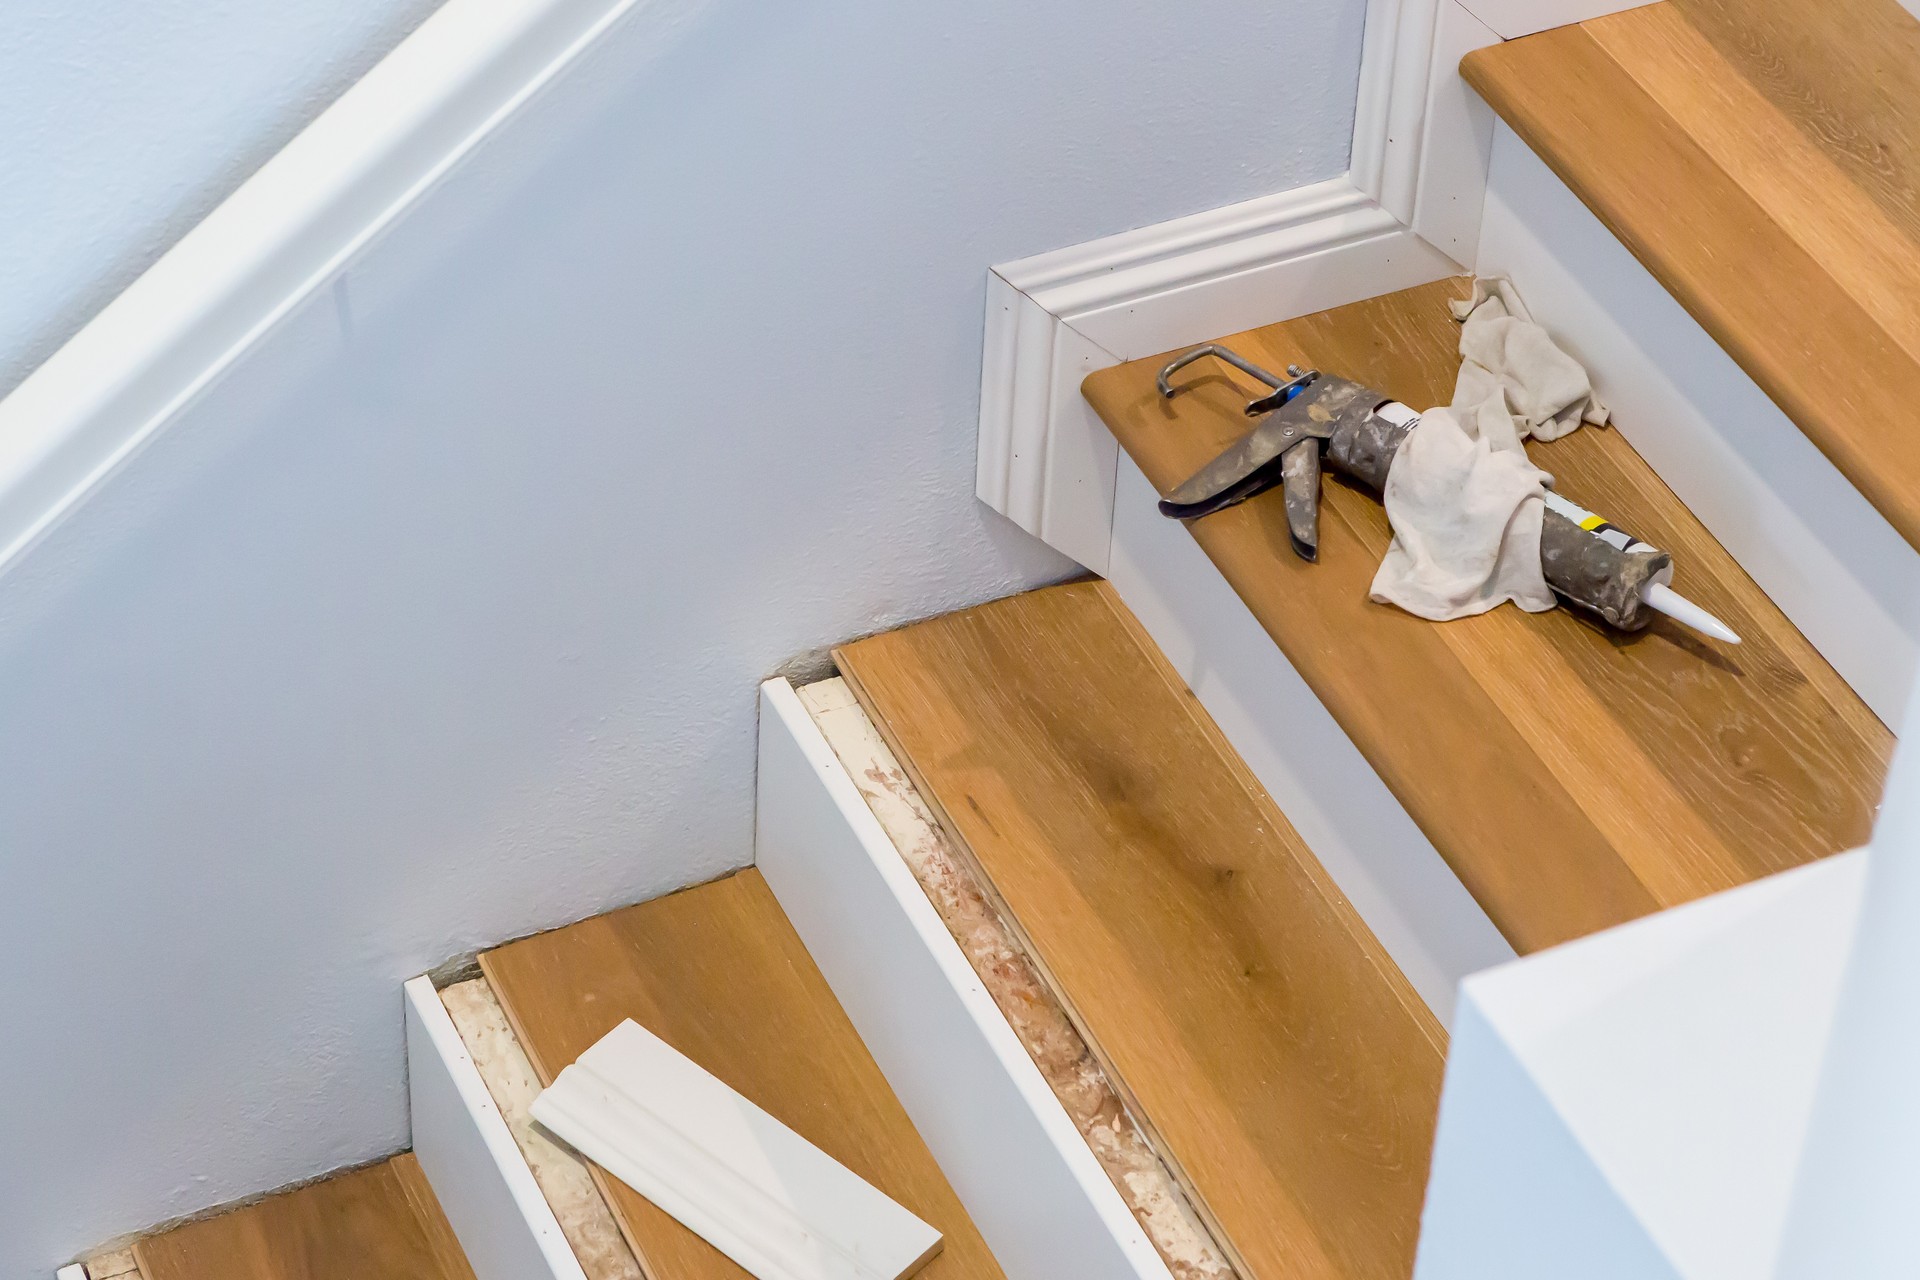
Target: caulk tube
1604,569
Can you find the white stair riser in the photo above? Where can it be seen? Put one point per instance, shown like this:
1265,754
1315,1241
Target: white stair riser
1012,1154
497,1211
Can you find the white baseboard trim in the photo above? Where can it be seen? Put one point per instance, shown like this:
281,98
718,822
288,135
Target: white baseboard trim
1011,1152
496,1209
1046,462
287,232
1820,551
1407,212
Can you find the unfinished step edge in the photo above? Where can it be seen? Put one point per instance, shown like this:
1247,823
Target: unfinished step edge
486,1189
1152,1182
1011,1152
105,1264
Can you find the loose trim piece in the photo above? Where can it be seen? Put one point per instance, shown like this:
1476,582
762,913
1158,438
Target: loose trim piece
747,1184
1142,1179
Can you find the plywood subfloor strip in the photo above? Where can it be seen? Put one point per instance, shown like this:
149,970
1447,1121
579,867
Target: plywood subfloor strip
1142,1176
718,972
1762,158
562,1176
117,1264
1574,777
1252,1022
381,1222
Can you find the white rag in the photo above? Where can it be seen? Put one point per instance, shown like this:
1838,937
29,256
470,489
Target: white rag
1463,498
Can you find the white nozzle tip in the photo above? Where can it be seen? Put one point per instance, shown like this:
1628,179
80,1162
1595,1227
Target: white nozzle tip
1659,595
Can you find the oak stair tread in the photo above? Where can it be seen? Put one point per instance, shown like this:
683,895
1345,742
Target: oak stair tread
1261,1036
1762,159
1573,777
718,972
381,1222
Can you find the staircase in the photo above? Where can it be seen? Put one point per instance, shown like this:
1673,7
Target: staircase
1761,160
1117,928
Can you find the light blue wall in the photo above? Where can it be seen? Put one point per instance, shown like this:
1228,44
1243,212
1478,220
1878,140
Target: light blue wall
123,123
439,618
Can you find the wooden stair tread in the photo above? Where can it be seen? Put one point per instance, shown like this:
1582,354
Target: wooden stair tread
1762,159
1573,777
1260,1033
719,973
382,1222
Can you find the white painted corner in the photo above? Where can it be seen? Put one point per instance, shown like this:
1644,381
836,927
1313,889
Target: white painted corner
496,1209
1012,1154
1406,213
1456,141
1637,1102
1515,18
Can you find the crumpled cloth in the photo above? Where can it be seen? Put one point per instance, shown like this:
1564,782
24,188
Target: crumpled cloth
1464,501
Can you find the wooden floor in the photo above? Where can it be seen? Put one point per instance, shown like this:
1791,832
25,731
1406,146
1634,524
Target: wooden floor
1573,777
1266,1042
718,972
377,1223
1762,158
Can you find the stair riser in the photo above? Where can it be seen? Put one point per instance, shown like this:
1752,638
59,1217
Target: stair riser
503,1222
1007,1146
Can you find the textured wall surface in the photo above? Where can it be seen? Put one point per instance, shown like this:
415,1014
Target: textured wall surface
438,619
123,123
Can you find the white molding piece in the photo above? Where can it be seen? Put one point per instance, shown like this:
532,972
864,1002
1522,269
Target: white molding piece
1407,212
1046,461
1515,18
285,233
1410,62
496,1209
1398,882
766,1197
73,1271
1819,550
1010,1151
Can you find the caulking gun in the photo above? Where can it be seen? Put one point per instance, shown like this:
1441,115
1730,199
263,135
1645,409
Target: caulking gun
1310,415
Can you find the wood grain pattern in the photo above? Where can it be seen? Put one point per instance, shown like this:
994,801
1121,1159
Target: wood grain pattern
1761,159
1572,776
1262,1037
718,973
377,1223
